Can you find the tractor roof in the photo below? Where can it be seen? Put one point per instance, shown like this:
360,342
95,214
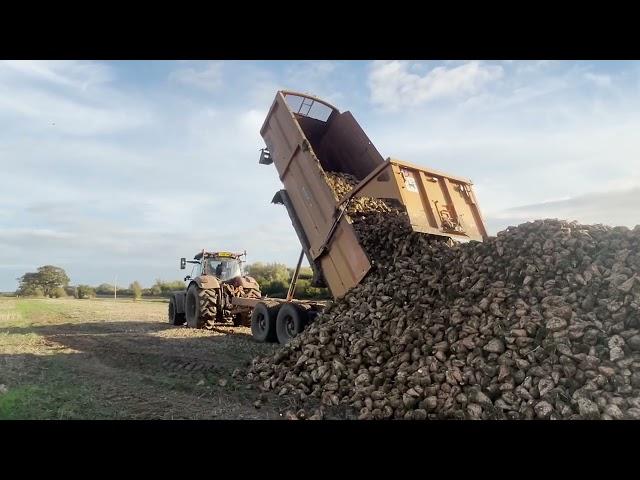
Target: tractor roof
204,253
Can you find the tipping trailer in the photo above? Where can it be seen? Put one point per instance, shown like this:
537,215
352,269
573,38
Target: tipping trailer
307,137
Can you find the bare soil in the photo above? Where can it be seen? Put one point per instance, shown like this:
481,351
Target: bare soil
121,359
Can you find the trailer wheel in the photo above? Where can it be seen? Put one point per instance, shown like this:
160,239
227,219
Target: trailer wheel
290,322
263,323
175,318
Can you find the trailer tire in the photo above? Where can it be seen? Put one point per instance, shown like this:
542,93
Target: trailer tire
175,318
263,323
290,322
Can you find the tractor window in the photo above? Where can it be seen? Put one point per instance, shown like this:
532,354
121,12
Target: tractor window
224,269
195,271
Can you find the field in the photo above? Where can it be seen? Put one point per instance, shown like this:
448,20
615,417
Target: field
107,359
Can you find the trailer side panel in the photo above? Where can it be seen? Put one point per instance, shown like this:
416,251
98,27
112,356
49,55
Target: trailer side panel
344,262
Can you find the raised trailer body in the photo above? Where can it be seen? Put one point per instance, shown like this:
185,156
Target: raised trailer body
307,137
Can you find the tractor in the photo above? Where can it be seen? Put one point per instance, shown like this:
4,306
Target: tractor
216,278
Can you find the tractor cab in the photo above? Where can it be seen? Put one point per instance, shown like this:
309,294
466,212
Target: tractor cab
225,266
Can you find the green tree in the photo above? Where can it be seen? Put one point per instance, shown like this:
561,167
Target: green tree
162,288
304,290
306,273
156,289
168,287
28,284
274,288
51,278
31,291
59,292
45,281
274,279
105,289
85,291
136,289
269,272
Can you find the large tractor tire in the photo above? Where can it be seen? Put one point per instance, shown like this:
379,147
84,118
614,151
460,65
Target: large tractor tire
175,318
200,306
208,305
263,323
290,322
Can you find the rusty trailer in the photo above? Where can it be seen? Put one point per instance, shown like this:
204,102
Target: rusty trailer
307,137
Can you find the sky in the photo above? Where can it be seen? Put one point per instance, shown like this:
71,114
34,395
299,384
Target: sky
115,170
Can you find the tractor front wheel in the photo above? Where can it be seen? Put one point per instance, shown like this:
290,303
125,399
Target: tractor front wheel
175,318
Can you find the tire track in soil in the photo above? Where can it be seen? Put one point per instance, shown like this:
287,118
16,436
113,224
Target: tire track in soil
145,370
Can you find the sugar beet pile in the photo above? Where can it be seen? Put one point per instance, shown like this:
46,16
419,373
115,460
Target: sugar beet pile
541,321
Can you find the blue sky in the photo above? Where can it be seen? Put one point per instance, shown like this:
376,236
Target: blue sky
119,168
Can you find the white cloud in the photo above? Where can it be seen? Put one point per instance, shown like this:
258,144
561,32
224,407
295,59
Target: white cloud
310,71
324,79
609,208
74,74
39,233
601,80
61,114
393,86
69,98
531,66
545,135
208,78
513,161
252,120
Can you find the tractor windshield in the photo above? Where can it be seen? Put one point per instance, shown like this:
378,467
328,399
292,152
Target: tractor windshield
224,268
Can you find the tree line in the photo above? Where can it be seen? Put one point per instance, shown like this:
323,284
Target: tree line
53,282
273,278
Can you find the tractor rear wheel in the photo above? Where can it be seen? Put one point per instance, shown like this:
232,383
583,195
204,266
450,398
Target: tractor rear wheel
200,306
175,318
208,306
